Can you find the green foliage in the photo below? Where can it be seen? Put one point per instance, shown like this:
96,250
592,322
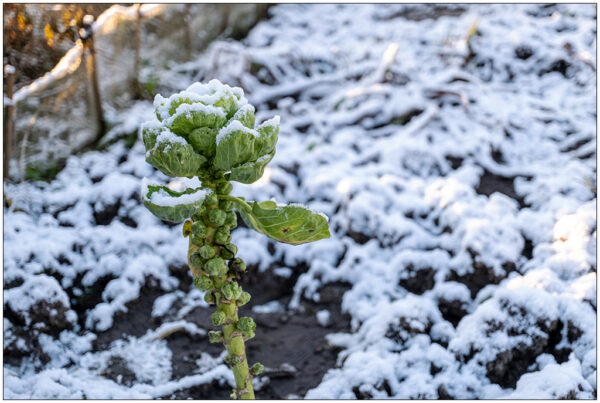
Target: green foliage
207,251
209,298
244,298
203,283
229,251
42,171
224,188
151,83
231,290
246,325
208,131
216,266
218,318
222,236
238,265
215,336
199,232
251,171
216,217
218,125
258,368
231,220
175,159
291,224
179,207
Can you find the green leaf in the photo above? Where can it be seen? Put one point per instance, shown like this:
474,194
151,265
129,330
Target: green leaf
235,146
203,140
251,171
291,224
268,131
229,102
172,206
175,101
191,116
175,159
150,131
246,116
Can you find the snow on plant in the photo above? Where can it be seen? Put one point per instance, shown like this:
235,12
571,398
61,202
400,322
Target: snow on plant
208,131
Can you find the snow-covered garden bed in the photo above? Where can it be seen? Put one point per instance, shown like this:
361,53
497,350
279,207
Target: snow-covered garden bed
452,147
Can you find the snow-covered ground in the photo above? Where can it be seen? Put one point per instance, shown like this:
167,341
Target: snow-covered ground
458,172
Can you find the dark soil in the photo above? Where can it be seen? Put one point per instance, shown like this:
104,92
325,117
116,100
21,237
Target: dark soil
291,345
284,341
509,365
490,183
418,281
452,310
480,276
118,371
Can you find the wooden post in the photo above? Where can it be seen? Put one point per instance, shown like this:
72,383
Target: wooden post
225,17
87,35
262,10
186,25
136,49
8,121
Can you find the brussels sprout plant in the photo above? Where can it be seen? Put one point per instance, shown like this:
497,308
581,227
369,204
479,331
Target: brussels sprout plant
208,131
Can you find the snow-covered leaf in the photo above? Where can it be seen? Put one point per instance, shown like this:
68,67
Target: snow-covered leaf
293,224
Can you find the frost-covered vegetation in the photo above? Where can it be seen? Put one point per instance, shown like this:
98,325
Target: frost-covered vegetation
452,147
208,133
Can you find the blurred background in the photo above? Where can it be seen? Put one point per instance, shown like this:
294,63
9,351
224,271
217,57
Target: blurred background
94,73
452,146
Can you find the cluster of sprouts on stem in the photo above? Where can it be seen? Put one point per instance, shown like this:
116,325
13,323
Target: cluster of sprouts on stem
208,131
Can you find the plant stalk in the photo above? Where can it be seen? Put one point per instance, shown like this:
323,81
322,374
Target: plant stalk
232,338
234,342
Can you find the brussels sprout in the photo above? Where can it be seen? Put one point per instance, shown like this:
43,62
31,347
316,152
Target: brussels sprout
224,188
257,368
209,132
231,220
228,251
231,290
199,232
216,267
197,216
244,298
216,217
218,318
233,360
246,325
225,205
211,200
196,260
215,336
207,251
222,236
203,283
232,248
238,264
209,298
225,254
